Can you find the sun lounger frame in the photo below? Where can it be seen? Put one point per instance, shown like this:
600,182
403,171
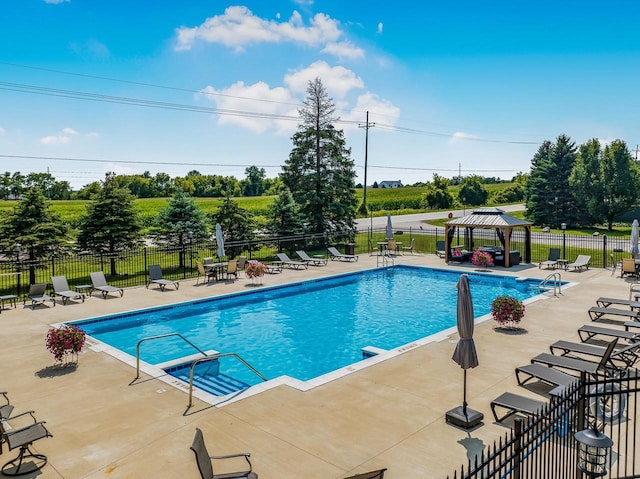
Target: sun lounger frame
516,404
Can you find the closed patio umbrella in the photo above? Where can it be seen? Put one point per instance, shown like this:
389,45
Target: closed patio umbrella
389,227
465,355
220,241
634,249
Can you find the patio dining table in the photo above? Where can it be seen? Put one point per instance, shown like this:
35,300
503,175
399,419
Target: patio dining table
218,269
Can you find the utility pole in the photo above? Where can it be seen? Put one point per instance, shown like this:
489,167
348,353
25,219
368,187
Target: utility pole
366,127
636,151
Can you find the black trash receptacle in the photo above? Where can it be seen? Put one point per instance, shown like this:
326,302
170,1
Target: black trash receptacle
350,248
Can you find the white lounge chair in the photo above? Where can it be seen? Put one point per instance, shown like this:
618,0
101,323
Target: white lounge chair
582,261
335,254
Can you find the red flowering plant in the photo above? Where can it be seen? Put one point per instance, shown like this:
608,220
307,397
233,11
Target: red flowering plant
481,258
65,340
507,311
255,269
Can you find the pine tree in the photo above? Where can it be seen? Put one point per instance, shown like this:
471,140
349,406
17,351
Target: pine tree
112,223
319,171
284,215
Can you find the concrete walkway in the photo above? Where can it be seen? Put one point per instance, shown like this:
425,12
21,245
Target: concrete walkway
388,415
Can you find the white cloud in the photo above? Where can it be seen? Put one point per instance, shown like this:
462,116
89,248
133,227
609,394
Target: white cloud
380,27
338,81
69,131
267,106
61,138
239,27
344,50
458,135
380,110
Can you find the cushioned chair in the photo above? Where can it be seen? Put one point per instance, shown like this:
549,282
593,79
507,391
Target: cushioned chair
155,277
99,283
205,461
62,289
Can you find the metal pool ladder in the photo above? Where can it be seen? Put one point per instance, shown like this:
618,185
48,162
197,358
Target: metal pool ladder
555,280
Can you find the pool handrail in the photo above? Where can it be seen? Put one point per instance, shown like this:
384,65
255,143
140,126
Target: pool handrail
212,358
160,336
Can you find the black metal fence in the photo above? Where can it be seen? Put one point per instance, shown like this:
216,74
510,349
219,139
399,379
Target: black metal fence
544,447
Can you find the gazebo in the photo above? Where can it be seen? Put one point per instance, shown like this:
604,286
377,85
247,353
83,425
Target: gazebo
489,218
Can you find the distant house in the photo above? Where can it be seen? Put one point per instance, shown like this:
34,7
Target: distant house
391,184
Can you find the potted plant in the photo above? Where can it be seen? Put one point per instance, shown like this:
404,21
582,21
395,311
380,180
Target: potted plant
65,342
507,311
255,269
481,258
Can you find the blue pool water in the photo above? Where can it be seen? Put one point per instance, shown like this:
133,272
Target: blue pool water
310,328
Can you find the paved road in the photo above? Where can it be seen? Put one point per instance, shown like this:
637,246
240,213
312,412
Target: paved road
405,222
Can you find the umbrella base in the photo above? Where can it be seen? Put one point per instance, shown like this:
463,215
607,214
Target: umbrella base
457,417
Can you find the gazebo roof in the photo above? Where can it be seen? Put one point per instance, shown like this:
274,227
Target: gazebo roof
488,218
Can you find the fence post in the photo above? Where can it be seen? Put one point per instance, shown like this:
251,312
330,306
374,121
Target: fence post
604,251
517,448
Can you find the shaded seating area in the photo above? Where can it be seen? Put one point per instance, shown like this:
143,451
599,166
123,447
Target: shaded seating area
490,218
62,289
155,277
552,259
99,283
37,295
289,263
205,461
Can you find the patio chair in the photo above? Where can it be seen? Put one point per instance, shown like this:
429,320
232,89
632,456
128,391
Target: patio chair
23,437
205,461
606,302
242,263
232,268
588,331
410,247
37,295
289,263
579,365
335,254
582,261
99,282
440,251
309,260
516,404
5,413
392,247
597,312
552,259
208,274
62,289
628,267
155,276
379,474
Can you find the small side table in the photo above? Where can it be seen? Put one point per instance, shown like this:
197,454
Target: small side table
84,288
8,298
562,263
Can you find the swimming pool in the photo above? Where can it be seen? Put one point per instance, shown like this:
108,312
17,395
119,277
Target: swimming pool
306,329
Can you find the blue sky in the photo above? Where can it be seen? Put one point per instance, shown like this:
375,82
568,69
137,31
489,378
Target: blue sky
89,86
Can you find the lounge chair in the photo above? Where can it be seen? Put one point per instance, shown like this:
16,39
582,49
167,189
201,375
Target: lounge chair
588,331
626,354
208,274
597,312
545,374
579,365
37,295
628,267
335,254
289,263
62,289
99,282
410,247
552,259
309,260
440,251
582,261
379,474
23,437
606,302
205,463
232,268
516,404
155,276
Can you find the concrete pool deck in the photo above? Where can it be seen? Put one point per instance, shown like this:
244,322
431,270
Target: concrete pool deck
388,415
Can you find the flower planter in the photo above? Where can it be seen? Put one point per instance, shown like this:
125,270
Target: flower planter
507,311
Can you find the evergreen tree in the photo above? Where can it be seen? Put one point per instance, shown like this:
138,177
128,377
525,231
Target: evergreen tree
181,223
112,223
586,184
620,180
33,229
284,215
319,171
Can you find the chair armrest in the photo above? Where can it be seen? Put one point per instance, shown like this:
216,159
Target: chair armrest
30,413
6,398
246,455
